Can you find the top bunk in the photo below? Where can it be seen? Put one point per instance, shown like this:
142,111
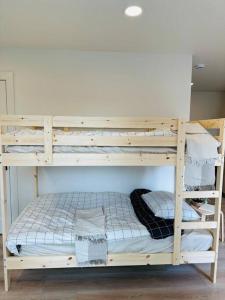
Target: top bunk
95,141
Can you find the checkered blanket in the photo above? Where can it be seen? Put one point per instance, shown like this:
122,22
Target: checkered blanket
158,228
50,219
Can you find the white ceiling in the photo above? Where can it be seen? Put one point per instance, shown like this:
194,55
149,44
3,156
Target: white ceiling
183,26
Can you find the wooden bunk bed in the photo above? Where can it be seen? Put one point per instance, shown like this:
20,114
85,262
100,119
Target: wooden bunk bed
49,158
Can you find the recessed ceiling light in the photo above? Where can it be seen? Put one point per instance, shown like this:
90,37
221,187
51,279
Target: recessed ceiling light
192,83
133,11
199,66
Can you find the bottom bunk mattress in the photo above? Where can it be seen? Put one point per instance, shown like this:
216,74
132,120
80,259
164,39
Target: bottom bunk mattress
192,240
47,225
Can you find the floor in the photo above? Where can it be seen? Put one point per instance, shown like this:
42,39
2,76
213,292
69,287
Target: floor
161,282
143,283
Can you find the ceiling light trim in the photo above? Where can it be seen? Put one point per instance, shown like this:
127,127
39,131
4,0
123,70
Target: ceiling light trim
133,11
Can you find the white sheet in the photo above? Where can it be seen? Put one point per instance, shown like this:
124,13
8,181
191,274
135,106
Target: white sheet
87,132
191,241
90,149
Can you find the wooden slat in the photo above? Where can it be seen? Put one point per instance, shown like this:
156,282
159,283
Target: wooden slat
114,159
22,120
22,140
48,139
123,259
219,187
36,181
41,262
179,192
4,216
211,123
132,259
199,225
90,122
89,159
136,141
201,194
198,257
23,159
114,122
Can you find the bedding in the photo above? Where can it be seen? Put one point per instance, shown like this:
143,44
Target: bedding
158,228
46,226
90,237
201,155
91,149
162,205
50,219
98,132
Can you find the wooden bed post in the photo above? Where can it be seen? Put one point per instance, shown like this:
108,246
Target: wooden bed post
4,211
36,189
179,191
48,139
219,187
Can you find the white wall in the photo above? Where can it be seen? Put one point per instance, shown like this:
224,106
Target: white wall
207,105
93,83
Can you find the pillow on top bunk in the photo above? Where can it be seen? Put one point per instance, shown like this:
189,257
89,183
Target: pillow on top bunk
162,205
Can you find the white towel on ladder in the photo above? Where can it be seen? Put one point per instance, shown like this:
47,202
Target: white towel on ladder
202,153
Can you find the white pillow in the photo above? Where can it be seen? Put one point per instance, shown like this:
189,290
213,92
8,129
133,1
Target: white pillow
162,205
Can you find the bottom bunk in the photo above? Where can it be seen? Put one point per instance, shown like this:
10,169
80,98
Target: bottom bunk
43,235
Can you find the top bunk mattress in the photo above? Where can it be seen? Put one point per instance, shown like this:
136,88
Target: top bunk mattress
91,149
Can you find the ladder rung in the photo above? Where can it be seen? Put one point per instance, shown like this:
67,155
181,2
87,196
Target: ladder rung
201,194
199,225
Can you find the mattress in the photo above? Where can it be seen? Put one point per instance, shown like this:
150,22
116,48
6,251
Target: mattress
91,149
46,225
192,240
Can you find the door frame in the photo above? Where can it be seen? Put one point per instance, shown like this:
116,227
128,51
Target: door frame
8,77
9,80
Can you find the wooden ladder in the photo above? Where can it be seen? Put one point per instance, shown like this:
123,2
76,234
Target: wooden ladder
214,225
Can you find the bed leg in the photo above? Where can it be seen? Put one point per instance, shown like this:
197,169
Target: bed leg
7,279
213,272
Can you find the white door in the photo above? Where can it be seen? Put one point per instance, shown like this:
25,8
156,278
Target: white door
3,110
11,173
3,97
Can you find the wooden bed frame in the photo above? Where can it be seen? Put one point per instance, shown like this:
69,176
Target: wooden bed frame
48,158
